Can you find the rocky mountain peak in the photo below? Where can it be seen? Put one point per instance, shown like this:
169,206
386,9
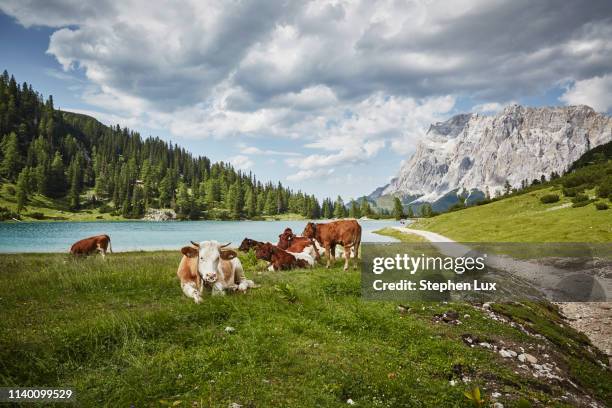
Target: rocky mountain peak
480,152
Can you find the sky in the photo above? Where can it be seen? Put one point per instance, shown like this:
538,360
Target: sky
328,97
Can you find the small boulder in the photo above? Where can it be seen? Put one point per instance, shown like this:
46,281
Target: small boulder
526,357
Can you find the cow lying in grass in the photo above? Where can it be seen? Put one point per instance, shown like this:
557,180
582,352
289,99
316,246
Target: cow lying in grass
209,264
247,244
294,244
343,232
282,260
86,246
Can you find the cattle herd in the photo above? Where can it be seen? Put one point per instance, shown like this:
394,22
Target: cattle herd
213,266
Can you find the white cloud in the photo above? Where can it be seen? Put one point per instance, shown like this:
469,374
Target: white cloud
309,174
595,92
342,80
264,152
491,107
241,162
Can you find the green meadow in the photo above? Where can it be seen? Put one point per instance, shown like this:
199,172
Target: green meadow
524,218
122,334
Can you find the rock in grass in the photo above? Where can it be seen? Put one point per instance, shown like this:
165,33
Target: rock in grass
230,329
526,357
507,353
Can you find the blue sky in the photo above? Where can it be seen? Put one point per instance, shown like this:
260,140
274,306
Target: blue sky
326,96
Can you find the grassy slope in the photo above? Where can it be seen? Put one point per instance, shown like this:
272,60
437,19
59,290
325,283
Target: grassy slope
121,332
523,219
53,209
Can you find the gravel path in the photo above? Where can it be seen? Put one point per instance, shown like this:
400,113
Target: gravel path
594,319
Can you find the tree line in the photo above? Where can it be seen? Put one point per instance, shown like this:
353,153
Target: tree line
64,155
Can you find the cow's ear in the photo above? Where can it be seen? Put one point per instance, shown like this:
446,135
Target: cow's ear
228,254
189,252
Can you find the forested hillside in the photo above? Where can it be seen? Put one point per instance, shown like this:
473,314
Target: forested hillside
73,157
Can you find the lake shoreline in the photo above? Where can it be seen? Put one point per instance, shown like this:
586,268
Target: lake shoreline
137,235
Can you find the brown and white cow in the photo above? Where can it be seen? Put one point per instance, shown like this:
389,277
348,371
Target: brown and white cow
294,244
280,259
346,233
209,264
86,246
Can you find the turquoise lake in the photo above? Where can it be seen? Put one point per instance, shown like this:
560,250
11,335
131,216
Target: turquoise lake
140,235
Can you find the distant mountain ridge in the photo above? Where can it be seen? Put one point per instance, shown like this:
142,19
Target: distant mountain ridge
474,153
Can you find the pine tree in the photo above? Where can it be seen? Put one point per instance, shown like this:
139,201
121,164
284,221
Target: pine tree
410,213
23,182
138,207
426,210
366,211
354,210
507,187
235,200
398,209
183,200
250,203
11,158
328,209
270,207
74,177
165,191
339,210
57,182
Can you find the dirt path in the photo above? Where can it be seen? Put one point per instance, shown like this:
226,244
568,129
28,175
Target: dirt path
594,319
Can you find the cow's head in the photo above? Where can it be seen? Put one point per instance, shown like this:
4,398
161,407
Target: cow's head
264,251
209,253
284,239
247,244
310,230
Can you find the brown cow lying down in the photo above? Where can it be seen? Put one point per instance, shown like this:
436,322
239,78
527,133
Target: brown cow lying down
343,232
279,258
208,264
292,243
247,244
86,246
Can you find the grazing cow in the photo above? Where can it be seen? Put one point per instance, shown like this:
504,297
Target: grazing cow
86,246
208,264
279,258
247,244
344,232
292,243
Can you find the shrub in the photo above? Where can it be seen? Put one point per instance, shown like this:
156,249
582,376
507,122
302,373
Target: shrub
571,192
579,198
549,198
8,214
36,215
10,190
581,203
601,206
605,188
105,208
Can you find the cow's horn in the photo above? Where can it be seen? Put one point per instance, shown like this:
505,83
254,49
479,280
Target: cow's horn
223,246
195,244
